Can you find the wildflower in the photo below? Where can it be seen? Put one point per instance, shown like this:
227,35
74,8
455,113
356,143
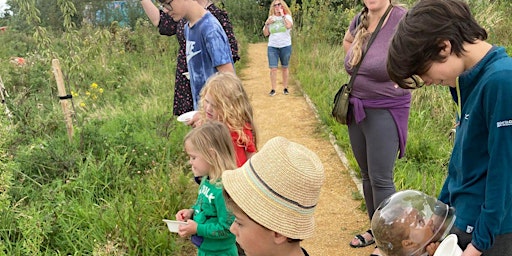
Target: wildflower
88,93
100,90
94,85
82,104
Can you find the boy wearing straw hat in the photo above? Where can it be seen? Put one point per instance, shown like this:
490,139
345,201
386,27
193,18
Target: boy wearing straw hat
273,197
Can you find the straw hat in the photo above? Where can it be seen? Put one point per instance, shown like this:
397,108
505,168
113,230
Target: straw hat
279,187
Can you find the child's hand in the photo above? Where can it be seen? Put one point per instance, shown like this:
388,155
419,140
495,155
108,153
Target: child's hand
432,247
184,215
188,230
471,251
195,121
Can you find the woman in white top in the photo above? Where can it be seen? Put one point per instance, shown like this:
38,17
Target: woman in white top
278,27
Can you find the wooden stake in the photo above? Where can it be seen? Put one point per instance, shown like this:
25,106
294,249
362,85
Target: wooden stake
63,96
3,95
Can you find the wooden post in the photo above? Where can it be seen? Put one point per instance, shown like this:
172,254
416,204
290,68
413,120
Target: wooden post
63,96
4,94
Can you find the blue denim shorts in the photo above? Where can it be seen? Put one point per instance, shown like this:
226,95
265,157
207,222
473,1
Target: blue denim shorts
276,54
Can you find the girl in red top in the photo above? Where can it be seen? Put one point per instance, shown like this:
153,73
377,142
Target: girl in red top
224,99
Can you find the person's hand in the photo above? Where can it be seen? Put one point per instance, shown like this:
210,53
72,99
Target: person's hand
269,21
280,11
195,121
189,229
184,215
432,247
471,251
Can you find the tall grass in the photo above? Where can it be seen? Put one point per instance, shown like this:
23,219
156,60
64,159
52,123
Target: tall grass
106,192
317,63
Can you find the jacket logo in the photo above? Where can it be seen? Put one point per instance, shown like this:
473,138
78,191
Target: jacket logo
504,123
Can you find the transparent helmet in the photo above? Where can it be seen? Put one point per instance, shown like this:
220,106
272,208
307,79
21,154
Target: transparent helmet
407,221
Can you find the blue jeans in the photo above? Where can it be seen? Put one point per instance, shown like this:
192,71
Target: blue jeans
275,54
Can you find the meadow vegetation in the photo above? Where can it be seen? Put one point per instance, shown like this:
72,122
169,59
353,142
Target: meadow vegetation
106,191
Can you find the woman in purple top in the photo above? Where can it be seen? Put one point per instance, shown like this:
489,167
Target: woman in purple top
379,109
167,26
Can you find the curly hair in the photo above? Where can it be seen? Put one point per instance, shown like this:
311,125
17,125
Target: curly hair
232,104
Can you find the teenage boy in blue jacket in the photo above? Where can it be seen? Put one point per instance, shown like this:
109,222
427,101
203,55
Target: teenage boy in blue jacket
440,41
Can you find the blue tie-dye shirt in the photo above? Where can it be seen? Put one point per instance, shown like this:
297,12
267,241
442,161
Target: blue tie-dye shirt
207,47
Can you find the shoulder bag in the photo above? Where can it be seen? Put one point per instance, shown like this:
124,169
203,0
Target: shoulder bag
341,99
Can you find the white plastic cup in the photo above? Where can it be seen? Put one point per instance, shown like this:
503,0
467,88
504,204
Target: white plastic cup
449,247
173,225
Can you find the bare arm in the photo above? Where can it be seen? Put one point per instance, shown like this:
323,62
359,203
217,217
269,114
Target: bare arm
151,11
287,23
228,67
269,21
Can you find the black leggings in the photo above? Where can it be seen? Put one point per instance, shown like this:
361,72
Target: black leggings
375,145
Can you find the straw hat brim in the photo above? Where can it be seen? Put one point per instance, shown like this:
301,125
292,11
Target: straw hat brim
279,187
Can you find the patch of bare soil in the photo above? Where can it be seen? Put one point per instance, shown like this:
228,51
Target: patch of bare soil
338,217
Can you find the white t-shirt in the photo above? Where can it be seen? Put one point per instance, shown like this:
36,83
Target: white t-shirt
280,36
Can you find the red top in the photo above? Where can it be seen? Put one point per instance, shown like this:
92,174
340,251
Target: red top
241,150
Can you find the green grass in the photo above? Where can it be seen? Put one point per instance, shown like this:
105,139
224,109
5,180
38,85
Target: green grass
107,191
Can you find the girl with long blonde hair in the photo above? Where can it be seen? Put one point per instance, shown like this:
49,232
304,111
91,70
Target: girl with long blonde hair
210,152
224,99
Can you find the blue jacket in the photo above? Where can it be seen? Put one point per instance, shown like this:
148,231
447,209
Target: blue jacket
479,182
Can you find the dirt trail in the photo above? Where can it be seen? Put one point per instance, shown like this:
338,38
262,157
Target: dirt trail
337,216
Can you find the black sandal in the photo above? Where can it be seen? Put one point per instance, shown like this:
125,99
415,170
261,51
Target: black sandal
373,254
363,242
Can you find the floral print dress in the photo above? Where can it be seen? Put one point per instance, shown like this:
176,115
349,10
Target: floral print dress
182,94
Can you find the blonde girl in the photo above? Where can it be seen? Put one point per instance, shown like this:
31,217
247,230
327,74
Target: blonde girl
224,99
210,152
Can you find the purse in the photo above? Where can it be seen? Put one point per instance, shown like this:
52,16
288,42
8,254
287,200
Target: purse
341,99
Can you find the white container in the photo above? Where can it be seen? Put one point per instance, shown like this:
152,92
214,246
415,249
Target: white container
186,74
185,117
173,225
449,247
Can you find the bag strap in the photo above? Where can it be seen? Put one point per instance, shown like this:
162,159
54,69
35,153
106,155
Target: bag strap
374,34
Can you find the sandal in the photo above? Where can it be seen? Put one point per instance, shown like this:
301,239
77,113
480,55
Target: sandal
373,254
362,241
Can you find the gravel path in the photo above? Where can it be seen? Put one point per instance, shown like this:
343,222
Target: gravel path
338,217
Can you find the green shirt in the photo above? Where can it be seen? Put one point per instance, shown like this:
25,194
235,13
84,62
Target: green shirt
213,219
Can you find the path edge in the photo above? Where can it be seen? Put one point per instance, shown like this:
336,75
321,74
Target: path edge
332,139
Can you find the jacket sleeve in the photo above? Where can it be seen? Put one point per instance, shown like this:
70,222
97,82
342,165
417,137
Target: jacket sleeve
498,188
